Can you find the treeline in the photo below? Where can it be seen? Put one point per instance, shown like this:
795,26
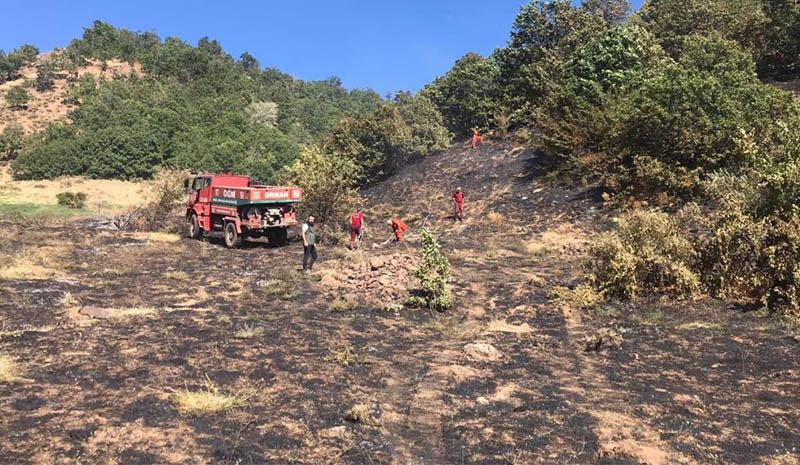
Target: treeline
192,107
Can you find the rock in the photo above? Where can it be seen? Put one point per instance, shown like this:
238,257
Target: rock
329,281
482,400
337,432
95,312
482,352
376,263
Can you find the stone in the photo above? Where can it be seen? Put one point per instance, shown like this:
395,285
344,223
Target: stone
95,312
482,352
376,263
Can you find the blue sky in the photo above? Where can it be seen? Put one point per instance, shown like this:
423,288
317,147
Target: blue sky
381,44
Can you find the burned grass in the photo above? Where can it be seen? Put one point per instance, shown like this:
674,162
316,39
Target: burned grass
242,361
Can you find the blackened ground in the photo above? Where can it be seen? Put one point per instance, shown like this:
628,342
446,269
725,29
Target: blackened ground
691,382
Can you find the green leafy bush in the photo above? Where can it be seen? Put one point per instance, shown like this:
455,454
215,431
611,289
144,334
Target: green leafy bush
742,21
647,253
328,183
468,96
72,199
400,131
17,97
434,276
12,140
45,76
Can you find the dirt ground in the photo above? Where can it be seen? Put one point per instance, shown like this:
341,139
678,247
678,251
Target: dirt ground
108,333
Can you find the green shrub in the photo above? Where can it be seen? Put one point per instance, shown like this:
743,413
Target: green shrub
17,97
468,96
647,253
400,131
328,183
434,275
12,140
701,114
72,199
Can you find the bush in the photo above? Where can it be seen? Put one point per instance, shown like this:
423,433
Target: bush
159,206
17,98
647,253
12,140
72,199
328,183
468,96
434,275
406,129
45,76
705,112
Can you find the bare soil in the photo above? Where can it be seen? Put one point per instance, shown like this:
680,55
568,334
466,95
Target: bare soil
692,382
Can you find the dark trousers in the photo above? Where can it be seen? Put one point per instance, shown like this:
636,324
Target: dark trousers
309,256
354,233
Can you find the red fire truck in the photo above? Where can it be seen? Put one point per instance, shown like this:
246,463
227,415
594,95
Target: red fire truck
231,207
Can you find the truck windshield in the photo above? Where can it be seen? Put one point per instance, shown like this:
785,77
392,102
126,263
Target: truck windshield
199,183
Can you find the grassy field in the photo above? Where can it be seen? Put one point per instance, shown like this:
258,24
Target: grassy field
38,198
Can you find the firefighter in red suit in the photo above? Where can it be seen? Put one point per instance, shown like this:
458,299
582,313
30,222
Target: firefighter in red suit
476,139
357,225
458,205
399,228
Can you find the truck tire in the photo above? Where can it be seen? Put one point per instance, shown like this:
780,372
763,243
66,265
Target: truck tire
193,230
231,236
277,236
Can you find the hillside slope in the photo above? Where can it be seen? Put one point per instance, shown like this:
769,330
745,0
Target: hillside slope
48,106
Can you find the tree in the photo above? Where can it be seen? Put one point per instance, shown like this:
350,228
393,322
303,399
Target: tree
398,132
265,113
781,56
612,11
543,37
328,183
12,140
11,63
248,62
17,97
467,96
742,21
45,76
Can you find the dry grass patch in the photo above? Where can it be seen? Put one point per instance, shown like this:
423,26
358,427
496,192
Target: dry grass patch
495,218
131,312
156,237
207,400
176,275
346,357
454,328
699,325
30,263
654,318
105,194
277,288
10,370
582,297
68,300
362,413
344,304
249,332
502,326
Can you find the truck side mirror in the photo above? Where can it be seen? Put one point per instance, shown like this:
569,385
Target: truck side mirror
186,185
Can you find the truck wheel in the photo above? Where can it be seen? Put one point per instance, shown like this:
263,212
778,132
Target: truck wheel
231,236
193,228
277,236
